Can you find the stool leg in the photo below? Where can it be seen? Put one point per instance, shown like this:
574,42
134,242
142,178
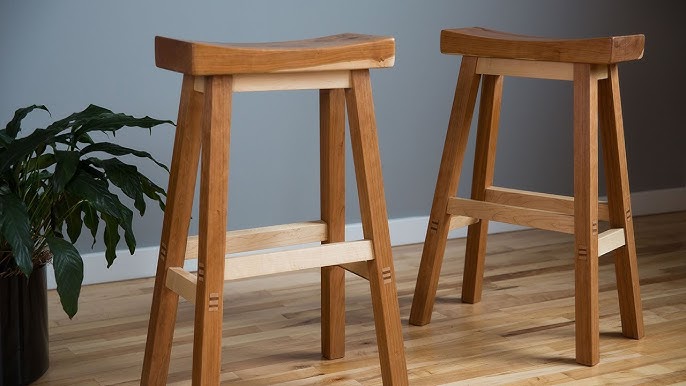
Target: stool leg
446,187
370,189
214,173
586,213
626,267
332,172
177,215
482,178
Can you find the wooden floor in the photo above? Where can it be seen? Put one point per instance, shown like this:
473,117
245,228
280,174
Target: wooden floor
522,332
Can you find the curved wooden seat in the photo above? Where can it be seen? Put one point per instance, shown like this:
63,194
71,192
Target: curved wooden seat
338,68
478,41
338,52
591,65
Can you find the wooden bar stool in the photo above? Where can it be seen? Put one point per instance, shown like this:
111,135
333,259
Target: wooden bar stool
339,67
592,65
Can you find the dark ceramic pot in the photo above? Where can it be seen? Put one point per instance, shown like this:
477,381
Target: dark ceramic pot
23,328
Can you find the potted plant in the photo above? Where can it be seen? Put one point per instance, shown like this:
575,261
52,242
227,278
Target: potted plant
54,182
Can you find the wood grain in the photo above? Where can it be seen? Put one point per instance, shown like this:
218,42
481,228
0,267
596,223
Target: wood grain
329,255
542,219
183,283
180,191
477,41
586,214
284,81
253,239
332,199
521,333
610,240
338,52
541,201
536,69
484,168
214,180
525,68
461,221
619,200
446,186
585,62
292,260
292,81
370,189
358,268
323,63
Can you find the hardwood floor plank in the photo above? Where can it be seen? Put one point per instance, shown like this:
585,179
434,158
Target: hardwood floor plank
521,333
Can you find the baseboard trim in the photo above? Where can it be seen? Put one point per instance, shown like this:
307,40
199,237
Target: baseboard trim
658,201
407,230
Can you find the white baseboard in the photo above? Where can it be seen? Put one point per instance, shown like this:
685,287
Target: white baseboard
408,230
658,201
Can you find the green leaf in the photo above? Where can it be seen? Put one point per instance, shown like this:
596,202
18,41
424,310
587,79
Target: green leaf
4,138
14,126
107,121
125,177
87,167
85,138
73,220
90,220
40,149
153,191
44,170
67,164
69,139
57,212
114,149
23,147
78,118
15,229
130,240
68,266
41,162
95,192
111,237
37,179
90,112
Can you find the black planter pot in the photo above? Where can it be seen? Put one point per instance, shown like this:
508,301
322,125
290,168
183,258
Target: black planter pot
23,328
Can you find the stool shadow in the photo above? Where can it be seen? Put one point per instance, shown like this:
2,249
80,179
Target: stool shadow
613,334
449,300
555,360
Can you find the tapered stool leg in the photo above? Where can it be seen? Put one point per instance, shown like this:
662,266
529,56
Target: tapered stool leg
370,189
592,66
177,215
484,167
586,214
446,187
332,177
619,202
332,65
214,173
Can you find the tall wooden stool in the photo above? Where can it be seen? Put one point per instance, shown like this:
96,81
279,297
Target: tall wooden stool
592,65
339,67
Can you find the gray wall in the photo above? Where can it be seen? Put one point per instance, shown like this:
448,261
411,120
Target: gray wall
67,54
